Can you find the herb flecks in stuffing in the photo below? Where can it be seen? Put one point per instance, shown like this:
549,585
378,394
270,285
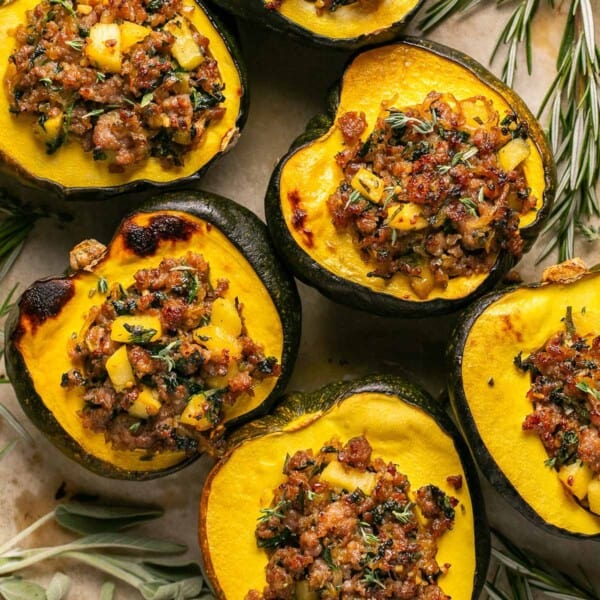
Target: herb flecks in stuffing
565,393
128,81
161,360
344,525
435,191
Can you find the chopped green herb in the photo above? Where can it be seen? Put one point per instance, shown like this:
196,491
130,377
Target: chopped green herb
133,428
164,354
77,45
146,99
275,511
406,514
139,334
470,205
398,120
66,4
371,578
103,285
354,197
585,387
93,113
100,76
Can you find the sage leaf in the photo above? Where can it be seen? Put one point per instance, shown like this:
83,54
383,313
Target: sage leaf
123,541
180,590
15,588
107,591
59,587
96,518
170,571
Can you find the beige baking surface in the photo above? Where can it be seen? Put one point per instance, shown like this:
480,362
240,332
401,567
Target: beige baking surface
288,84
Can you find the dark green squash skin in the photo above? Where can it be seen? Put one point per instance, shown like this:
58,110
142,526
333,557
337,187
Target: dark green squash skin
22,186
249,235
297,404
467,425
254,10
358,296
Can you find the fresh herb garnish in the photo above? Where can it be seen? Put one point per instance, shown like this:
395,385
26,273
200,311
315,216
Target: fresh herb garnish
459,157
146,99
165,354
66,4
353,198
406,514
275,511
399,120
139,334
77,45
371,578
470,205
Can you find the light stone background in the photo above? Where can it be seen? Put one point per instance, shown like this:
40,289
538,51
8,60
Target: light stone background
288,85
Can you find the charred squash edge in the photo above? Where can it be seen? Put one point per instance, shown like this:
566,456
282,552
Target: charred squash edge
248,234
296,405
360,297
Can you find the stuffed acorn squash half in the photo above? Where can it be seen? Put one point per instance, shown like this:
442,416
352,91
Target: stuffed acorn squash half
356,488
138,361
341,24
529,407
424,183
106,98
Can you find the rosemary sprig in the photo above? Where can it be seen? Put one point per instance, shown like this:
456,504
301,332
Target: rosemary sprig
573,104
148,565
515,574
16,222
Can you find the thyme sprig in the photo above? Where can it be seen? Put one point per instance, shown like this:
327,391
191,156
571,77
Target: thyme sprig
148,565
572,104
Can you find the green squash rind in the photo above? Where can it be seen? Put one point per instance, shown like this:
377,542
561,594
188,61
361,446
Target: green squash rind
297,404
360,297
460,408
254,10
250,237
23,186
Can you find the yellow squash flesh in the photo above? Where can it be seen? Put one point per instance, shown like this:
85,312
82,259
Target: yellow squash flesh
399,75
347,21
522,321
243,483
48,343
70,166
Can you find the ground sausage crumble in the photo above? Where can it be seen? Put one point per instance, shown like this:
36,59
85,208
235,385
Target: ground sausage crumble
425,194
182,379
140,102
565,394
361,534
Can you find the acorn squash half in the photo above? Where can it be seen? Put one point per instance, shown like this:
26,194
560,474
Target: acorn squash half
53,314
27,170
401,423
399,75
348,26
489,392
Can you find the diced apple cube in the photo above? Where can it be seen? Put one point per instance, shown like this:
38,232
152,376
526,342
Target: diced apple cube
50,130
185,50
406,216
368,184
223,330
131,34
146,404
194,413
136,329
593,495
576,478
513,154
340,476
103,47
119,370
